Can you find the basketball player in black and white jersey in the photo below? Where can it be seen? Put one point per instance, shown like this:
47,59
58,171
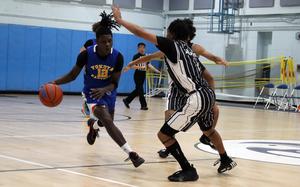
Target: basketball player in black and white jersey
176,98
185,72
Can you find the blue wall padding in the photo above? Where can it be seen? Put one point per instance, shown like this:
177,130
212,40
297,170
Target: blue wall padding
78,39
31,56
48,55
3,55
15,57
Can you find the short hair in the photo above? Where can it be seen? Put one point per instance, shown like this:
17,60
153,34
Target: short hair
181,29
141,44
105,26
192,29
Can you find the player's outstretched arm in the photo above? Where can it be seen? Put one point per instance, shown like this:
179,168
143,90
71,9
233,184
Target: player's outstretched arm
133,28
143,59
199,50
152,68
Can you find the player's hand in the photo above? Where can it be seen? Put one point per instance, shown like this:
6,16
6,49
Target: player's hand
116,13
51,82
222,62
97,93
126,69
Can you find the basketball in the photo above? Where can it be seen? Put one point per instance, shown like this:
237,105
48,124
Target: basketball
50,95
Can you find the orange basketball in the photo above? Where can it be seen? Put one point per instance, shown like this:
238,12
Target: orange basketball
50,95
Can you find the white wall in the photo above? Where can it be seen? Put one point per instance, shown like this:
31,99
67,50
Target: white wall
283,22
277,9
70,16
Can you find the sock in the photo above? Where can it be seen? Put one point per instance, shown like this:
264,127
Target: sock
177,153
99,123
167,151
126,148
223,156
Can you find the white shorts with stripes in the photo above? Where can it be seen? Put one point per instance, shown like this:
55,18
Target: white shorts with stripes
196,107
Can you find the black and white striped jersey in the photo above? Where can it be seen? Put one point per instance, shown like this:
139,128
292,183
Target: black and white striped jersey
183,64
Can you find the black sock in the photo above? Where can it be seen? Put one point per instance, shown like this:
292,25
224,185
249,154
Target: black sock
177,153
99,123
223,156
167,151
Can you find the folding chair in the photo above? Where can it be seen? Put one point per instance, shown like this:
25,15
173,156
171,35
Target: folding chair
295,97
280,92
262,95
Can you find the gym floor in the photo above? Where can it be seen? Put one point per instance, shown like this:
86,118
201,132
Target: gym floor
42,146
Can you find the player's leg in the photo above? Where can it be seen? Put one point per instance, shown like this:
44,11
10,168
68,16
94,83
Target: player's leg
133,94
204,139
85,109
176,99
105,117
103,110
140,89
206,125
181,120
164,153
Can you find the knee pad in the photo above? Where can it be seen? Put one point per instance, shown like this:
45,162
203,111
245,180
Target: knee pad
167,130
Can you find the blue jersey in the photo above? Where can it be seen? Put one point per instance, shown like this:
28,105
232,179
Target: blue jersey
98,72
94,41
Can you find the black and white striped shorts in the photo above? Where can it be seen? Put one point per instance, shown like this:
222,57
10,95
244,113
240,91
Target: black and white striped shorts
191,109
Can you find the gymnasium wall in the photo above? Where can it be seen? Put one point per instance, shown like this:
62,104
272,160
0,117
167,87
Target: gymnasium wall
72,15
40,41
281,20
31,56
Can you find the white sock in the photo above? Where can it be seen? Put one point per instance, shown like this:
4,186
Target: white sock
95,125
126,148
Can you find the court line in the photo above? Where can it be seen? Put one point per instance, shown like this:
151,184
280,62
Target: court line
100,165
43,136
140,133
65,170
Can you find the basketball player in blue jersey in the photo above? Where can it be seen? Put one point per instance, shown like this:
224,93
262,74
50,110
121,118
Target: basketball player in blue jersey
186,73
90,42
103,66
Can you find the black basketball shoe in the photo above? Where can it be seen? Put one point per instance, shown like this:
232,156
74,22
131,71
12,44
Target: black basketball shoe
225,164
163,153
135,159
93,133
205,140
184,175
126,103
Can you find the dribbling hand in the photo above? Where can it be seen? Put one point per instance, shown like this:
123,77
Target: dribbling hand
97,93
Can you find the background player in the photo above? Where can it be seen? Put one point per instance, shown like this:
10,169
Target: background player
139,78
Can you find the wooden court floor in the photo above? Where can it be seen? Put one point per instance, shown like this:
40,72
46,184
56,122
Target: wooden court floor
42,146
